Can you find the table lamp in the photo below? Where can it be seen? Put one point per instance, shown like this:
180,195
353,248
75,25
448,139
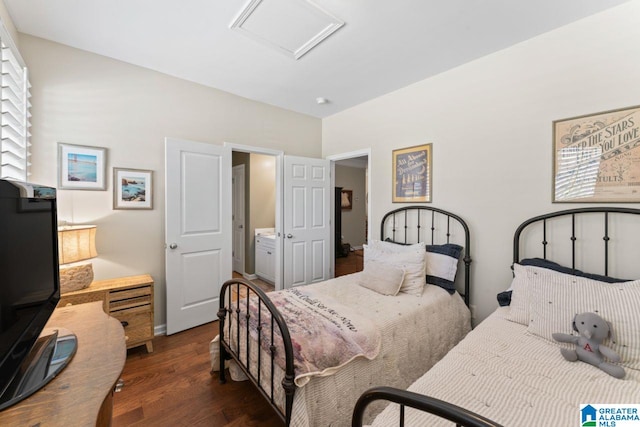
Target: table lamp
76,243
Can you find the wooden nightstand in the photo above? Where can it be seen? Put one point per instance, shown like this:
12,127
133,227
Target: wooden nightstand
128,299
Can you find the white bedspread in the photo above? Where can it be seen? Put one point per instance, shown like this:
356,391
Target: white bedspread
516,379
416,333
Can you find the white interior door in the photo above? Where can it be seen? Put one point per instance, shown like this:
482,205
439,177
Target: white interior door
198,230
306,218
238,219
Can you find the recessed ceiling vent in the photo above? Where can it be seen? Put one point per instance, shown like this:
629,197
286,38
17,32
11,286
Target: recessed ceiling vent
292,27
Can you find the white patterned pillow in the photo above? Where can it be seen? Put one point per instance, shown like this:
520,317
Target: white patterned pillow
410,261
557,298
521,290
441,261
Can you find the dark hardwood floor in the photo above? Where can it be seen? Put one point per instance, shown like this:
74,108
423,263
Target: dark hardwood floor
352,263
173,387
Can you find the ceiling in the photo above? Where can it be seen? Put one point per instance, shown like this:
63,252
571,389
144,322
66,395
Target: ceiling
383,45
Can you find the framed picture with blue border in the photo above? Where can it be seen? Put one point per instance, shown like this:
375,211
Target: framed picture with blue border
81,167
412,174
132,189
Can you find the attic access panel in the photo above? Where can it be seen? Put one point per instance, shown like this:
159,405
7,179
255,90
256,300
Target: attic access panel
292,27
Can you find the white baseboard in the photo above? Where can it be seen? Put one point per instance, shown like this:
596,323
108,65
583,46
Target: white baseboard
356,247
249,276
160,330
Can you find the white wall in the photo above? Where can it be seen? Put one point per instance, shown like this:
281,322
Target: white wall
8,23
87,99
490,122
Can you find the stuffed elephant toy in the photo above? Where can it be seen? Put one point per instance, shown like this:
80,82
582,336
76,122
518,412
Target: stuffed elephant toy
593,329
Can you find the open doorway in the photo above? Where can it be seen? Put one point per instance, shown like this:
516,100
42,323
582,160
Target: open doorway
303,236
351,225
296,165
254,217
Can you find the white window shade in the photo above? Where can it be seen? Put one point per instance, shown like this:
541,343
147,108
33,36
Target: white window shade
14,111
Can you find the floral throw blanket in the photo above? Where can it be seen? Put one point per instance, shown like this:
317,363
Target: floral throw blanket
325,334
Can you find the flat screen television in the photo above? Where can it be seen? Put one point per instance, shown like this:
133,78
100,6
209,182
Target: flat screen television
30,356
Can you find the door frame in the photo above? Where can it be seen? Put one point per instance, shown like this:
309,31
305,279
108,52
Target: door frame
244,230
279,156
345,156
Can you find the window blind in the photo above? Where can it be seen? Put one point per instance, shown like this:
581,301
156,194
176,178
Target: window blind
14,109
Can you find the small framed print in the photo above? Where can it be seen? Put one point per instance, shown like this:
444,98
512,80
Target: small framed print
346,199
412,174
81,167
132,189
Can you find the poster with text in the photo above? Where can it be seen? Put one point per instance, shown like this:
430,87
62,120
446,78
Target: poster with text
597,157
412,174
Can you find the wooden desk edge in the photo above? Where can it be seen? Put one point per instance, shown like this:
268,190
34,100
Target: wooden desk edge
81,394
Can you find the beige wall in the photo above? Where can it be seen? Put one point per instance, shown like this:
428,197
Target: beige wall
262,203
490,122
260,199
87,99
354,220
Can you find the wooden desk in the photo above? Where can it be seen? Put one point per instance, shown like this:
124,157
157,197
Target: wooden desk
82,394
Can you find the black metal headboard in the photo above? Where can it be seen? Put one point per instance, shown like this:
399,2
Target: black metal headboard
414,224
573,232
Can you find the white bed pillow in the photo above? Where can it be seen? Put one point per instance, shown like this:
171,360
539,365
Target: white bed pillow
410,261
441,264
396,247
382,278
557,298
440,261
521,290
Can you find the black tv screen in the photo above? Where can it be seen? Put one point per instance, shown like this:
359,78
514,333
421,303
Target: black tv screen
29,278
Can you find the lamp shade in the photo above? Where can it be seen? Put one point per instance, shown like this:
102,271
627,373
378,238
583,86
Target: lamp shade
76,243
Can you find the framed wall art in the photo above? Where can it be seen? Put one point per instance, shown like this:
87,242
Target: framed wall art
412,174
596,157
81,167
132,189
346,200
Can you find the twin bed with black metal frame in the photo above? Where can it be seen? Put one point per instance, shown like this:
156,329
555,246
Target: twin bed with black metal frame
509,370
255,335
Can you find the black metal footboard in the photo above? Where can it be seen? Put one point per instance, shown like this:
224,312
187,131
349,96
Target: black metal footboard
404,398
235,297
